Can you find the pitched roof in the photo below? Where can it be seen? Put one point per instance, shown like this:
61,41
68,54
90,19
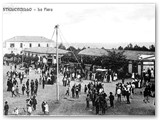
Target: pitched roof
45,50
133,54
29,39
130,54
93,52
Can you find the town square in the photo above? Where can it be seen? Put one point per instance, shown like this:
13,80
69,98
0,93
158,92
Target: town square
99,61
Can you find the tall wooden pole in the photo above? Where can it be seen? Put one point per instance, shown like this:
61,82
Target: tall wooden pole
57,85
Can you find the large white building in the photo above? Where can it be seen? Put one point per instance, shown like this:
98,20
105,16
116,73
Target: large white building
17,44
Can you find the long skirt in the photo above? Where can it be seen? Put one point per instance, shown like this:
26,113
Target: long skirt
29,109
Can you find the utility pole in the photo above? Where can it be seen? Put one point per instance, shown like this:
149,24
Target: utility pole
57,82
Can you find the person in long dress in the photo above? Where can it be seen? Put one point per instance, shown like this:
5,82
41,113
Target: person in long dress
29,109
46,108
133,75
29,106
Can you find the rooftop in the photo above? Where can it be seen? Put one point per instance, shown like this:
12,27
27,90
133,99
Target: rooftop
45,50
130,54
29,39
93,52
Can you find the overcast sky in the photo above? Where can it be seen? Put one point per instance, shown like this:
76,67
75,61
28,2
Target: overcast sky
84,23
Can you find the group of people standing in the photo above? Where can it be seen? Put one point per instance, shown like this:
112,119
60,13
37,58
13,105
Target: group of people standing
30,87
148,74
76,90
12,83
95,94
31,104
45,107
125,90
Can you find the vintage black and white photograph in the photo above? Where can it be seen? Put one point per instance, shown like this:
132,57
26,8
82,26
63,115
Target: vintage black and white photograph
78,59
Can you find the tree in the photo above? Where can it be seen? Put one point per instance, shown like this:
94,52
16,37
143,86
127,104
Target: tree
98,61
61,46
136,47
120,48
129,47
103,48
152,48
143,48
114,60
9,55
87,59
72,56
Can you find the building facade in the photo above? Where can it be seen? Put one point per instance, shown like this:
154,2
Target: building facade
17,44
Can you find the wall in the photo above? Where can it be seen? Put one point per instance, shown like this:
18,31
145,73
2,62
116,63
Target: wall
18,49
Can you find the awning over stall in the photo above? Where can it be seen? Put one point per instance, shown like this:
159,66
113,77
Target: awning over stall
44,50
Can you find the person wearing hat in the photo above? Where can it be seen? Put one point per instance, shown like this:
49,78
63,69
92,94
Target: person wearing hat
6,108
32,87
43,107
111,99
34,102
87,101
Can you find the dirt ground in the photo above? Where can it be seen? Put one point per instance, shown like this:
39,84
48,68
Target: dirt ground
74,106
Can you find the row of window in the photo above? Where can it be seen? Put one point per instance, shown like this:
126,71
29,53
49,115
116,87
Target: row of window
21,45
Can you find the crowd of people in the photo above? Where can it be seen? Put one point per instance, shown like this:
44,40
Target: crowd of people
12,83
18,78
125,90
96,98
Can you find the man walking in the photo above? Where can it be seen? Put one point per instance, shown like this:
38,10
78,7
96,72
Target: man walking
85,88
23,89
13,89
6,108
87,101
36,87
97,105
34,102
111,99
17,91
127,95
73,91
32,87
43,83
43,107
27,84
